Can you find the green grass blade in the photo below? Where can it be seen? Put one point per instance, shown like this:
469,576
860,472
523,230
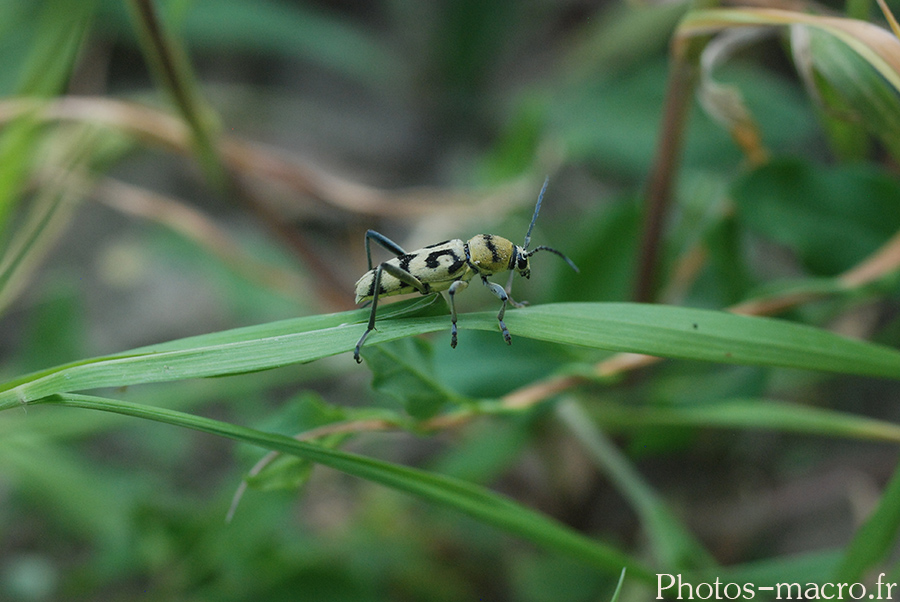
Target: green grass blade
805,567
759,414
653,329
172,68
698,334
616,593
673,544
875,539
236,351
465,497
48,213
59,30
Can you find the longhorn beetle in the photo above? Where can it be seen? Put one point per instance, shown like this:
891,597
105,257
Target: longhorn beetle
447,266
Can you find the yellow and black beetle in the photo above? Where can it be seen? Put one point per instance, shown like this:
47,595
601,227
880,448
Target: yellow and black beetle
447,266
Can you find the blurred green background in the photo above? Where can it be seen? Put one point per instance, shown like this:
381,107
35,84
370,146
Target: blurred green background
425,120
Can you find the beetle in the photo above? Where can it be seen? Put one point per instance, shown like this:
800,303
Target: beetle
447,266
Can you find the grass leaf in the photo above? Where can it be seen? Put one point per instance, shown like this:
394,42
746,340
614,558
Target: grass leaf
757,413
875,538
473,500
651,329
672,542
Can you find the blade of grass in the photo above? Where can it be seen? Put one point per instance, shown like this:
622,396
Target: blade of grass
465,497
216,343
649,329
697,334
50,210
875,539
616,593
874,44
170,65
854,61
757,413
806,567
673,544
60,29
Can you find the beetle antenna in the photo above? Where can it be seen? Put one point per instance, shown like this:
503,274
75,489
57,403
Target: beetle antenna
555,252
537,209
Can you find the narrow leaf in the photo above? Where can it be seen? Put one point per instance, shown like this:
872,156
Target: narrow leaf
875,538
665,331
757,414
480,503
672,542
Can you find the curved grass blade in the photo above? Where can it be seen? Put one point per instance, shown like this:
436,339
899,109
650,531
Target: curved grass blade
465,497
852,66
698,334
757,414
672,543
236,351
616,593
875,539
664,331
169,63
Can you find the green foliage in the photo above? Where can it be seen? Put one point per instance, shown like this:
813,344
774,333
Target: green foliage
419,474
806,208
405,370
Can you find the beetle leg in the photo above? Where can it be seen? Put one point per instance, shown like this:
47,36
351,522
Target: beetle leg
501,294
508,290
454,288
383,241
401,275
405,277
376,286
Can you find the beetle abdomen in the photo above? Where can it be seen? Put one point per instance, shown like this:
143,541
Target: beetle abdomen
435,266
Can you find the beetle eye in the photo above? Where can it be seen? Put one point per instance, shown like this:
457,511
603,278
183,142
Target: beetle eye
523,267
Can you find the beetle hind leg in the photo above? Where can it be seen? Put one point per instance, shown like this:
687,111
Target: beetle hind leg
376,286
359,345
401,275
382,241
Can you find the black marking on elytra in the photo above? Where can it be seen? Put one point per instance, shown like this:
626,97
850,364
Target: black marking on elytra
405,260
457,264
433,260
437,244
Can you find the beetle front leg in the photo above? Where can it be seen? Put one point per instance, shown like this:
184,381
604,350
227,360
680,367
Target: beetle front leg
454,288
508,290
500,294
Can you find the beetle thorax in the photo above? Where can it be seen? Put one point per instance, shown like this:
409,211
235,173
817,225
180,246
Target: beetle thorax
489,254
